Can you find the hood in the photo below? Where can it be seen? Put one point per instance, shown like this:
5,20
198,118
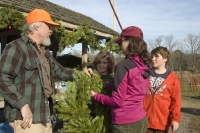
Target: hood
145,69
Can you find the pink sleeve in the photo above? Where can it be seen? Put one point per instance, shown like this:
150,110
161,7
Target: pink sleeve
117,98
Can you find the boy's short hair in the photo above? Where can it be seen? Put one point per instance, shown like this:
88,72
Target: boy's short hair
163,51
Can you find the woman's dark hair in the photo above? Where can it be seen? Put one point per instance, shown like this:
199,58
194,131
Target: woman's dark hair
108,56
138,47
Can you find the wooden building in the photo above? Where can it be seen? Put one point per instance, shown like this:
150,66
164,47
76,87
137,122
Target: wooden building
68,18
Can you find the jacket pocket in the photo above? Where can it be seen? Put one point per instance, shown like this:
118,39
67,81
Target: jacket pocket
31,73
30,67
163,114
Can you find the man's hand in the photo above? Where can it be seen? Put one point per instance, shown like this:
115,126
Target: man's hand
88,71
27,116
174,126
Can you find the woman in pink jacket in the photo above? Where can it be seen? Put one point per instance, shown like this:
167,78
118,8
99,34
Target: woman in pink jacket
131,79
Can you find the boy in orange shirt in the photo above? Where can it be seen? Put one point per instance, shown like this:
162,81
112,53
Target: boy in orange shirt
163,99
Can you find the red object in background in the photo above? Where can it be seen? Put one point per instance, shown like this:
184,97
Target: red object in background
9,27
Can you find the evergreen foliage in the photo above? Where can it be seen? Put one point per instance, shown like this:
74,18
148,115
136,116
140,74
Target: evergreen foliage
61,35
73,106
110,45
10,16
83,34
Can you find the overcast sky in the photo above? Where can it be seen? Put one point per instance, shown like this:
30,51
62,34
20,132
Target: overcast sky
154,17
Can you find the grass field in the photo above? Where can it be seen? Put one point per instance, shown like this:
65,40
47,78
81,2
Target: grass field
190,95
195,118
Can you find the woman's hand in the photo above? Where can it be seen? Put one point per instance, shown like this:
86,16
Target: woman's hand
93,93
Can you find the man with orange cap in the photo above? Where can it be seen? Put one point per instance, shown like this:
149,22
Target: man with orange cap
27,72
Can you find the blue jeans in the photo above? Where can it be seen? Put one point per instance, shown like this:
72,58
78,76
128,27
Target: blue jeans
5,128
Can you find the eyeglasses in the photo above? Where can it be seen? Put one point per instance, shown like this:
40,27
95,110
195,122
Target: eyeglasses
120,42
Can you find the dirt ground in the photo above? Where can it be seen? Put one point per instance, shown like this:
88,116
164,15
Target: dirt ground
190,110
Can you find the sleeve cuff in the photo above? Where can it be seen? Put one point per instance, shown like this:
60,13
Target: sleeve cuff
21,102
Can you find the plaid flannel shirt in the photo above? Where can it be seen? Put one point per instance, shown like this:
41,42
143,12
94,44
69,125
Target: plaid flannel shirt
21,80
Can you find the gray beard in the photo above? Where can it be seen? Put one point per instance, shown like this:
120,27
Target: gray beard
46,42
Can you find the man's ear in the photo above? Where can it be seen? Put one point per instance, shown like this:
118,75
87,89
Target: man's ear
36,28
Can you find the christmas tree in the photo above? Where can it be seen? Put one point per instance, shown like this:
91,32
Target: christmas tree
73,106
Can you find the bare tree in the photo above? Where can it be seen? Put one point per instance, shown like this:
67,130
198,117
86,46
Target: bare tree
170,42
192,42
156,43
180,57
118,57
150,44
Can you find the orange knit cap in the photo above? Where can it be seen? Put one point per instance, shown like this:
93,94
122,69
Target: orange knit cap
39,15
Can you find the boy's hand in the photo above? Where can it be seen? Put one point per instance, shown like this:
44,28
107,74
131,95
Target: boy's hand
174,126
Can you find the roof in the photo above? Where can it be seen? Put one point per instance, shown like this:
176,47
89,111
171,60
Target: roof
58,12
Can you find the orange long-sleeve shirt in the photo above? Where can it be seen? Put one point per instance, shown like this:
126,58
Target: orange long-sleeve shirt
164,105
